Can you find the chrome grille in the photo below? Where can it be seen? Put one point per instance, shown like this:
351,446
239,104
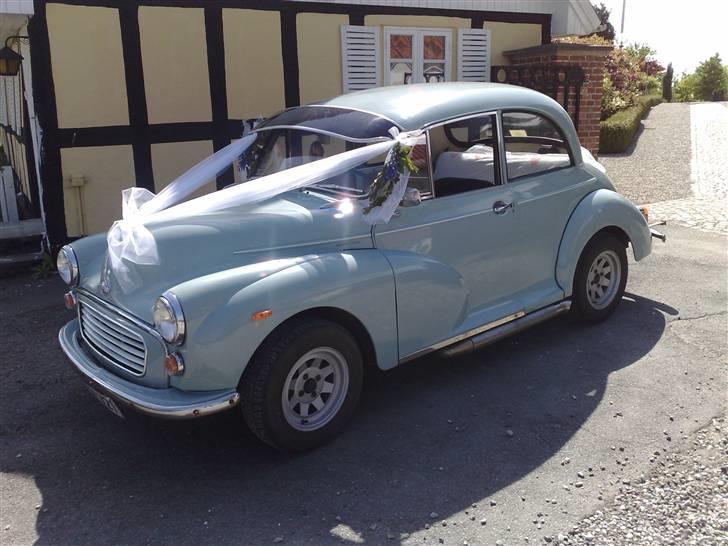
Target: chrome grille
114,337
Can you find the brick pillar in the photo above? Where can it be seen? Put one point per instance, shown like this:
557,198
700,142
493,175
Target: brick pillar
591,59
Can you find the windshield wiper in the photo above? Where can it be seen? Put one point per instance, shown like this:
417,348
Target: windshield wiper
336,187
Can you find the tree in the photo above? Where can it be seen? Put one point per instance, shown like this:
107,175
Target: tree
603,13
710,79
639,51
667,84
684,88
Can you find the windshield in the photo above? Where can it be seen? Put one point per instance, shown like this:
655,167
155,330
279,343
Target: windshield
309,133
280,149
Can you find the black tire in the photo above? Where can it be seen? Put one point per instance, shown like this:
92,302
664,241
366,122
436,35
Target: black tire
262,384
584,308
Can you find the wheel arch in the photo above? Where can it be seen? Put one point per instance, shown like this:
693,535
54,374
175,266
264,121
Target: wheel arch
332,314
601,211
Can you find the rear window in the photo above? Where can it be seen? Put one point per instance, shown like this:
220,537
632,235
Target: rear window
349,124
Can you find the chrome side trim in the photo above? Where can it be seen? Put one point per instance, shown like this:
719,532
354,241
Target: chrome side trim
491,332
298,245
465,335
443,221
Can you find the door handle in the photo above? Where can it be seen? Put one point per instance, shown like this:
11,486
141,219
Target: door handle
501,207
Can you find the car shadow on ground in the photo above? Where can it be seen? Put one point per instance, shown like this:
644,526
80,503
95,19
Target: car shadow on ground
430,436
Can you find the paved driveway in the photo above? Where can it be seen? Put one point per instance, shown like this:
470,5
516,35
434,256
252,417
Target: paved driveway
427,457
678,165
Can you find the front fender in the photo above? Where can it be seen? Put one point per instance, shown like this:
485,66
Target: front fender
222,337
599,210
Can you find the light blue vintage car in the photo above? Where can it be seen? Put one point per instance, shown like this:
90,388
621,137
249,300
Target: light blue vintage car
280,307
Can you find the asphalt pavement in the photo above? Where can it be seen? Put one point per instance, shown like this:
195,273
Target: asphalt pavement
516,442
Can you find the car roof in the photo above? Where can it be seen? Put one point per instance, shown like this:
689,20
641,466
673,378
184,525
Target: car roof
415,106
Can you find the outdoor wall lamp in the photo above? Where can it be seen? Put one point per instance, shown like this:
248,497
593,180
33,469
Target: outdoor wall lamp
10,60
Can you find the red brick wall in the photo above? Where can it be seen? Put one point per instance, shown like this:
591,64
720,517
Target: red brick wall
591,59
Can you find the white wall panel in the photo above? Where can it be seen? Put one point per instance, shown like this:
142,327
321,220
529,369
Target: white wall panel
568,16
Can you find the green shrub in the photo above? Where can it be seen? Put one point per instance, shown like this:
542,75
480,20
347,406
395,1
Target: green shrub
617,131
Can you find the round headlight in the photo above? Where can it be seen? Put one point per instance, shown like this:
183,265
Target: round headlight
168,318
67,265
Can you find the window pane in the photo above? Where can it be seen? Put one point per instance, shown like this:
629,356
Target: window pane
400,72
464,156
533,145
434,48
434,72
400,46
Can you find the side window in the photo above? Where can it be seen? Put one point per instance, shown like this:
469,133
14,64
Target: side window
533,145
464,155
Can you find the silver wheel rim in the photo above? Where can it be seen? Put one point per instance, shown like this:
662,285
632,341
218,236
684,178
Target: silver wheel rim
315,389
603,279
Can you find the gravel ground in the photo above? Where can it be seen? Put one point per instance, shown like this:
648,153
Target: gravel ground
657,166
684,501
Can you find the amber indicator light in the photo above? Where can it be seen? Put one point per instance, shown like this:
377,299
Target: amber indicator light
262,315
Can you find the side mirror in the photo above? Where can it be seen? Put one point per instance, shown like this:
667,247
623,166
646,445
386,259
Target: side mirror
411,198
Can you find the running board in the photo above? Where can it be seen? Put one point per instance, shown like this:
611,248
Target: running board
504,330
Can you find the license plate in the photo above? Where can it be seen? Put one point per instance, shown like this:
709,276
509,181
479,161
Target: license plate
108,403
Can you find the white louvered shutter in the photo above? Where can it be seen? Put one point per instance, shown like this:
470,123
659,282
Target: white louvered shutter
473,55
360,57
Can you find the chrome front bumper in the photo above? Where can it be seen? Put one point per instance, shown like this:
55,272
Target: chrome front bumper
169,403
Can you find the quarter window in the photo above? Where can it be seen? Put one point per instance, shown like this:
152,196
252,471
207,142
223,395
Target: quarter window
464,155
533,145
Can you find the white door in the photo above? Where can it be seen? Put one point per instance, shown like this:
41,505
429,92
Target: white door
417,55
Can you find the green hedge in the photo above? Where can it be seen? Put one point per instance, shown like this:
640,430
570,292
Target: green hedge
617,131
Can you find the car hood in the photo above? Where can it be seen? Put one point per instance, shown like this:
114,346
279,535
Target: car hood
296,223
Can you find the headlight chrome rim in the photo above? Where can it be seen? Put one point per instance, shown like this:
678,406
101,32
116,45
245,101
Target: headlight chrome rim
68,268
171,304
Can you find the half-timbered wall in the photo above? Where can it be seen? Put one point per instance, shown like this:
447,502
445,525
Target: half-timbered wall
134,92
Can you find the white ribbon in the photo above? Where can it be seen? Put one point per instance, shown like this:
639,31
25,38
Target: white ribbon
384,212
130,240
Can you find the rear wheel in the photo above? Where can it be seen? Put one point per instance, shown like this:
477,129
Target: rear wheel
303,384
600,279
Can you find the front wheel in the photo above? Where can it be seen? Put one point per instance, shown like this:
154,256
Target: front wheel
600,279
302,385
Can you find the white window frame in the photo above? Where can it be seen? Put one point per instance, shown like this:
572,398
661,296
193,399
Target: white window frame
418,53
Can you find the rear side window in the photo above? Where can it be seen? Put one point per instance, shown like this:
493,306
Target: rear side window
533,145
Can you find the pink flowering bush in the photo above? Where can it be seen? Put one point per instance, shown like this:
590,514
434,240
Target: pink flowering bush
629,72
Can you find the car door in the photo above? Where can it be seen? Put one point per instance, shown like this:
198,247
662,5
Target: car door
452,254
546,187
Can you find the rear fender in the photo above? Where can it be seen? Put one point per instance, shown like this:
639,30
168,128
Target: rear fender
601,209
